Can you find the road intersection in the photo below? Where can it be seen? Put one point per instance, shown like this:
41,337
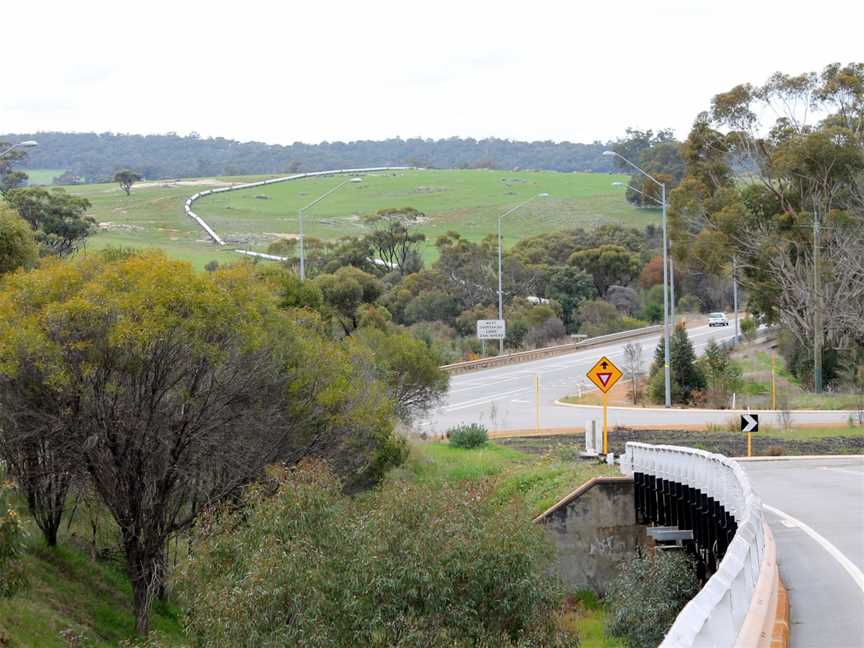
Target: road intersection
815,507
505,398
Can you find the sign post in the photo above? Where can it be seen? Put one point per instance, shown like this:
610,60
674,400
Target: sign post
604,375
537,401
749,424
491,329
773,382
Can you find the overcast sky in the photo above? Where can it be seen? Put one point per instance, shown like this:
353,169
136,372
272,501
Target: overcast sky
280,72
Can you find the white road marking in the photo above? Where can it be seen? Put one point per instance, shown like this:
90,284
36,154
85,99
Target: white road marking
847,564
482,385
482,401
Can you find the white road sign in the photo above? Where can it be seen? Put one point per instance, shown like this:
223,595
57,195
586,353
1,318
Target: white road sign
749,422
490,329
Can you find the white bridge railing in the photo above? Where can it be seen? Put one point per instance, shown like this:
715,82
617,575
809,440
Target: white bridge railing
717,615
262,183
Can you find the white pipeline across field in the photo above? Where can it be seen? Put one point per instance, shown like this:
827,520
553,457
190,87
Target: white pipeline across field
261,183
735,604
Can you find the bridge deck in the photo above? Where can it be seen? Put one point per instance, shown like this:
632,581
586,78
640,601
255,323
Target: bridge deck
821,564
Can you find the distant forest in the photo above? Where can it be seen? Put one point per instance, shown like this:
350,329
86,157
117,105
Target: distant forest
94,157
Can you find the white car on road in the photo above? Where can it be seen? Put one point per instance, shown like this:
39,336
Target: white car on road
717,319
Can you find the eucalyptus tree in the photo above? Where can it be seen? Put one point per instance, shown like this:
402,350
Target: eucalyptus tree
169,390
785,198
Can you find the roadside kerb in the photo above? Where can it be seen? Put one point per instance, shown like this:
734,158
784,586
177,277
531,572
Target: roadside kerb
546,352
732,412
767,622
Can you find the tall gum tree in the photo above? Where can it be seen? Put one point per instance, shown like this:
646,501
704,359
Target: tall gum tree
775,178
169,390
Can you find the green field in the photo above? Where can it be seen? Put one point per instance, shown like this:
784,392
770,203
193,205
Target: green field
153,216
466,201
42,176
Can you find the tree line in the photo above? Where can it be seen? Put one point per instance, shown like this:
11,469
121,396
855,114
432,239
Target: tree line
96,157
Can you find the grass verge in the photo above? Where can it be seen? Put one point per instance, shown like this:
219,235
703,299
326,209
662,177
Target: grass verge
588,617
538,479
73,601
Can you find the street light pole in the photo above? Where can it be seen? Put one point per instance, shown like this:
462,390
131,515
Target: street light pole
735,296
501,262
667,374
817,319
671,289
300,218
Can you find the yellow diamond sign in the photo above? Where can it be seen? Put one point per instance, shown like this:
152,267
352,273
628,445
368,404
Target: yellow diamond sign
604,374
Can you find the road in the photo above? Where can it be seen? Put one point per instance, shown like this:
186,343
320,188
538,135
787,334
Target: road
505,398
817,516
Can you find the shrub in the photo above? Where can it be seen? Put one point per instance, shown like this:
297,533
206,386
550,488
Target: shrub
647,595
545,334
17,245
407,367
600,318
687,377
748,328
468,436
657,388
399,567
13,579
625,299
689,304
652,312
721,373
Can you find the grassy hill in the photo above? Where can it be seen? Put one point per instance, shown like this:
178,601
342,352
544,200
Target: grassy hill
468,201
73,601
40,177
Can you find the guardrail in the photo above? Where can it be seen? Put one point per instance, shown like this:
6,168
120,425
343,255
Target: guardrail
546,352
261,183
731,608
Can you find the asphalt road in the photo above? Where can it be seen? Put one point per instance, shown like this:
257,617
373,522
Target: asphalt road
817,516
505,398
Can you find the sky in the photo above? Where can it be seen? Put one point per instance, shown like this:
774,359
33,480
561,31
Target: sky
328,70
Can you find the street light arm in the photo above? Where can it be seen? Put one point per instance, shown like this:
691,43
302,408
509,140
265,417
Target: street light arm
640,170
8,150
517,207
300,221
641,193
26,144
320,198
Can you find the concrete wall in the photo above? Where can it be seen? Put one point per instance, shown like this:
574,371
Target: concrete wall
594,529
